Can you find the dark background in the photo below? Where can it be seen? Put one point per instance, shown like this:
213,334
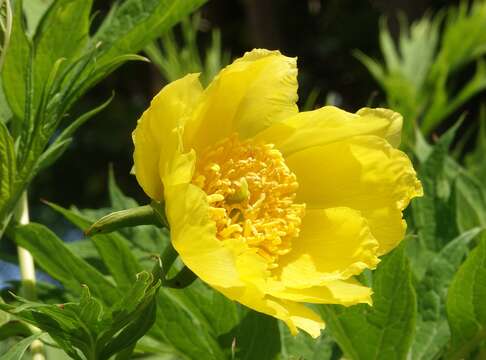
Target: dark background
321,33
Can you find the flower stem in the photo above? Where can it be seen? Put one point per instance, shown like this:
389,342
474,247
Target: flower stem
27,272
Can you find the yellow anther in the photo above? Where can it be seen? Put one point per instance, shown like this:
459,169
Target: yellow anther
251,193
226,232
215,198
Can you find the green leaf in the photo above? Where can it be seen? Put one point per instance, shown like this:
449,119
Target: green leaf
257,337
65,266
62,142
17,351
17,64
432,333
464,36
135,23
65,19
466,306
385,330
471,202
113,249
118,200
131,317
475,159
52,154
34,11
303,346
7,166
181,324
443,104
433,212
98,332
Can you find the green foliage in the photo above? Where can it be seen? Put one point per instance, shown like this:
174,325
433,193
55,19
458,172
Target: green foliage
5,27
174,61
418,71
465,304
428,294
408,319
95,330
18,350
432,332
447,220
386,330
43,75
66,267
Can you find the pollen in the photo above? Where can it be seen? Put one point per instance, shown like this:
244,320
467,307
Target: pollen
251,193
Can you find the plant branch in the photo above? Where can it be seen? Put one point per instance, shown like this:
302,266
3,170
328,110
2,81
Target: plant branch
27,272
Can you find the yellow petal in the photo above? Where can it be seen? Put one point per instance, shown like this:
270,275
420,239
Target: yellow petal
295,315
344,292
330,124
363,173
247,96
251,267
156,135
193,235
333,244
394,131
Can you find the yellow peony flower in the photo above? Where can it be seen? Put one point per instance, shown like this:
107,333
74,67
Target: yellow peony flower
272,207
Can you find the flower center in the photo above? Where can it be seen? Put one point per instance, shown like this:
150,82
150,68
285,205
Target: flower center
251,194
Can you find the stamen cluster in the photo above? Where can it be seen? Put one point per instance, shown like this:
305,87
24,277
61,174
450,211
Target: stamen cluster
251,193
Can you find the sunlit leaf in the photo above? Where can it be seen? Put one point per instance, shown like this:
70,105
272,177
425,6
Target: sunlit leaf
466,308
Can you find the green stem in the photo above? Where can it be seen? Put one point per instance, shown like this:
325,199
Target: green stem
27,272
169,255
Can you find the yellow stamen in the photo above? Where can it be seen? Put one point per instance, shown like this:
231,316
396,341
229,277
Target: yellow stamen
251,193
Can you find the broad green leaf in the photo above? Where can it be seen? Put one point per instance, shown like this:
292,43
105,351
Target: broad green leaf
466,305
257,337
112,248
64,266
17,65
432,332
14,328
385,330
18,350
181,324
